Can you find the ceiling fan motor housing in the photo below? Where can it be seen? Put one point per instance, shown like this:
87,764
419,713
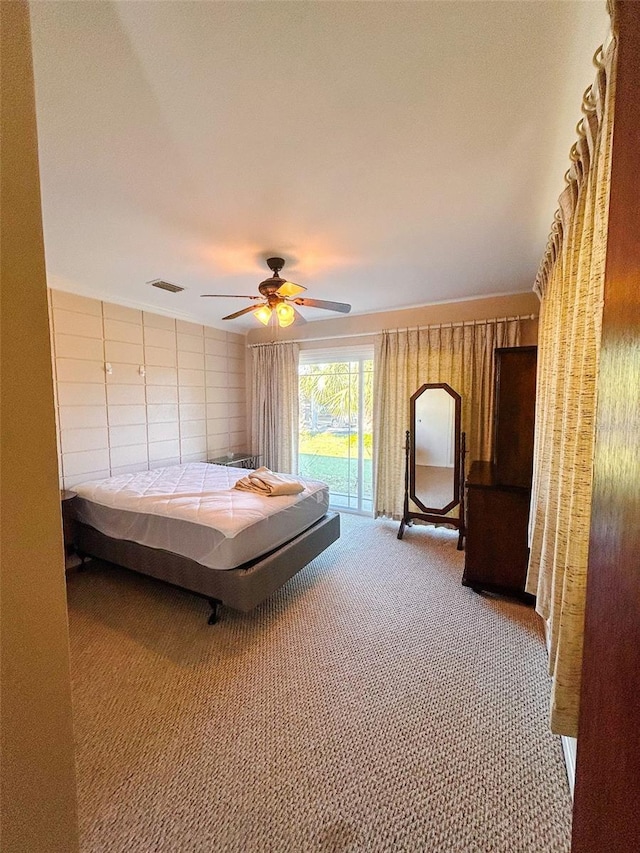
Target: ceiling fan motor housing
269,286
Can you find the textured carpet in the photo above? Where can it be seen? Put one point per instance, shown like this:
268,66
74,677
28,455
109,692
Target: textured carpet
373,704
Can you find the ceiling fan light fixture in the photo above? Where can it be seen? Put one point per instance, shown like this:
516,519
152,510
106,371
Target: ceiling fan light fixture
263,314
286,314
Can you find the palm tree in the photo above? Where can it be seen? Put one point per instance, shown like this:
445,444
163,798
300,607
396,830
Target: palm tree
333,387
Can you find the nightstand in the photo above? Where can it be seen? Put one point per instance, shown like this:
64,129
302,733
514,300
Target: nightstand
237,460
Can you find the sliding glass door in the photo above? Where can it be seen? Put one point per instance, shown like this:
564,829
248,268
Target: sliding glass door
336,416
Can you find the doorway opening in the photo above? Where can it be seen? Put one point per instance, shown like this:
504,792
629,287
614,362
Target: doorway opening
336,425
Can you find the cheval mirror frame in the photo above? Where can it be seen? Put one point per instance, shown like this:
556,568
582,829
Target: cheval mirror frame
456,453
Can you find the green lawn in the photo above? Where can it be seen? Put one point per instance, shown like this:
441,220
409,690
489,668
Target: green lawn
334,459
332,444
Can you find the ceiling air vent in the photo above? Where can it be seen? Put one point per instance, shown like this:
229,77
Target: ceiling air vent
166,285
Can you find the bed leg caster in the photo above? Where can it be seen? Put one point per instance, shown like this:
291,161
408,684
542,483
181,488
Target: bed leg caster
214,604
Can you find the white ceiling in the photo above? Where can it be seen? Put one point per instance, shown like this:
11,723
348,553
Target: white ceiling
396,154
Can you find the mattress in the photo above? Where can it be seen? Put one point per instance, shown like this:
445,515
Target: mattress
193,510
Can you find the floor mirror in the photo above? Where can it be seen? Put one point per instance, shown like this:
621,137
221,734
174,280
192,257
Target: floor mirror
434,460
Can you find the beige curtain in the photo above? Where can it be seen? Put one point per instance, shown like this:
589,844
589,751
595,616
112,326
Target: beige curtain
274,405
570,284
460,355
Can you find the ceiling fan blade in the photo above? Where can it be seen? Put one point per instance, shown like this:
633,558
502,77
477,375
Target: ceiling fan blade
343,307
288,288
230,296
239,313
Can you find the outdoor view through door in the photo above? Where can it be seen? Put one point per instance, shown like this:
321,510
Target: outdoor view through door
336,415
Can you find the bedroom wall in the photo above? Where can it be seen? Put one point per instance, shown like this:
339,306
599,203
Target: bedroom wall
186,404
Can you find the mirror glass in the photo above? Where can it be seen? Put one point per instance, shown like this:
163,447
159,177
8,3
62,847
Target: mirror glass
435,448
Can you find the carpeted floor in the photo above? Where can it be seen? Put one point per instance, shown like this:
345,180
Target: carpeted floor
373,704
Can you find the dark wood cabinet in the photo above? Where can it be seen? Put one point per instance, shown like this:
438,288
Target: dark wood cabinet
499,491
497,519
514,415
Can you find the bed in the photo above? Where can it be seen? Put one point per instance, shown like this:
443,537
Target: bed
187,525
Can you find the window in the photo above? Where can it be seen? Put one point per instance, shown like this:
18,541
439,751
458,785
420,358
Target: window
336,418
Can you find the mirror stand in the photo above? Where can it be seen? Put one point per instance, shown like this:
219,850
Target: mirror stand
457,522
435,452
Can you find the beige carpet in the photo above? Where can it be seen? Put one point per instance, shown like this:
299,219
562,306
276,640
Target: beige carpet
373,704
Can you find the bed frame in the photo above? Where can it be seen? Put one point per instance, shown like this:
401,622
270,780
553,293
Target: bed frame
241,589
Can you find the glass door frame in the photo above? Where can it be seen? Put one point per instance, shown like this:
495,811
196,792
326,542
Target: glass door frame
349,355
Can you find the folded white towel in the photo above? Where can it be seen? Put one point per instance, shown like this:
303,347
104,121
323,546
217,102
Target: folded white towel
262,481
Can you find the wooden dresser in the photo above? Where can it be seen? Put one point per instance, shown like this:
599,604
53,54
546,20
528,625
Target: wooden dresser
499,491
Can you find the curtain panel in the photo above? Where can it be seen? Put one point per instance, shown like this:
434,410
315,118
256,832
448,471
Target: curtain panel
274,405
570,284
404,360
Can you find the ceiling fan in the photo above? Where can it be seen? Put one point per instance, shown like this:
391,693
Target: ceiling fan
278,297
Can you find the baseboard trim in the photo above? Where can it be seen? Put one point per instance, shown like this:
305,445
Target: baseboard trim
569,747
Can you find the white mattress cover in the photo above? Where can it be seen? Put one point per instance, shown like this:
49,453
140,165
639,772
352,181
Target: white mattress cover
193,510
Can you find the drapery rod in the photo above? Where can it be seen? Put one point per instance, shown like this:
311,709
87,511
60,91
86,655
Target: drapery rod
320,338
395,331
462,323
